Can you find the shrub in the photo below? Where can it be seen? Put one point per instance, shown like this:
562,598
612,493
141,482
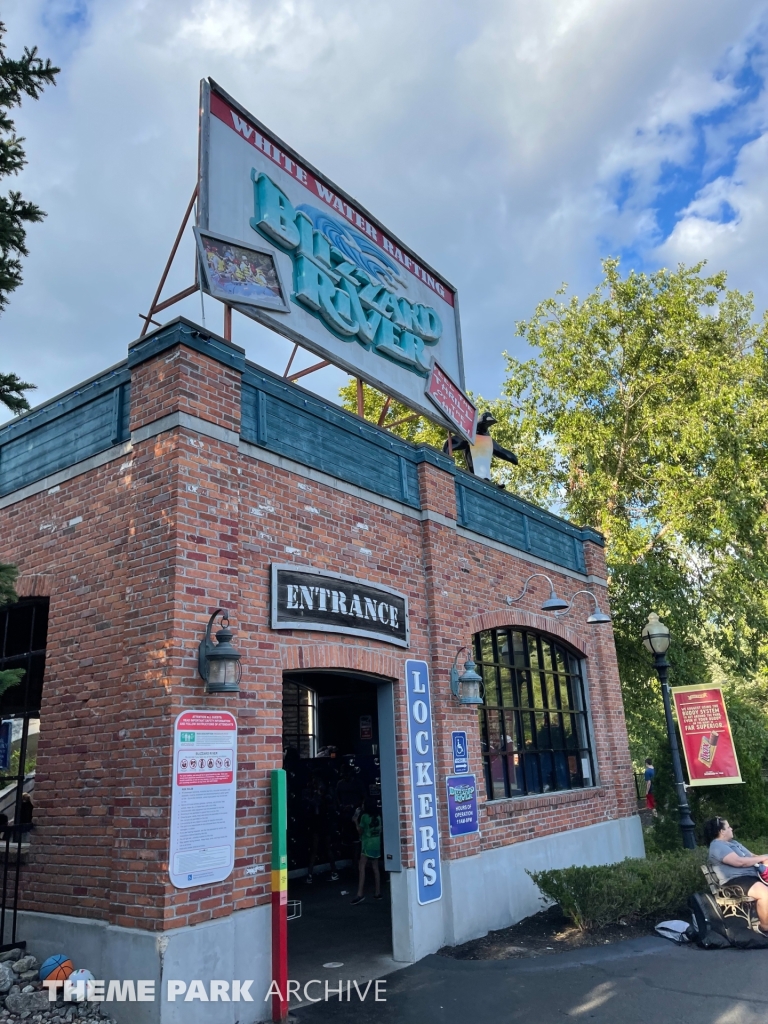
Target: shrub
592,897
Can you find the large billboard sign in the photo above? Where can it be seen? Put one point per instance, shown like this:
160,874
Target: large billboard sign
283,244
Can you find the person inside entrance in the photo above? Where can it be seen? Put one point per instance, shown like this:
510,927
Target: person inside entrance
369,830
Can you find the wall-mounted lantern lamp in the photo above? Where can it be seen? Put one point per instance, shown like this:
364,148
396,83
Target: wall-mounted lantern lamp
553,602
467,685
596,617
218,661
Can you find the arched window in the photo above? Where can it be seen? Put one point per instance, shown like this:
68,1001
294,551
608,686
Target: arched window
533,725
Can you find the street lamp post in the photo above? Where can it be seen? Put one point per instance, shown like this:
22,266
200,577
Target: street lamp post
656,640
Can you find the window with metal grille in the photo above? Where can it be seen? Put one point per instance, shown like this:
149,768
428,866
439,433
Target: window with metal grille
23,636
299,719
533,724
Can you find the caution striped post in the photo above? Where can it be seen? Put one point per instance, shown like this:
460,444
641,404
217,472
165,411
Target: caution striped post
279,896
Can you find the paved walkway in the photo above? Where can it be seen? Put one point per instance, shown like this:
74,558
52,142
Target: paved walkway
331,930
641,981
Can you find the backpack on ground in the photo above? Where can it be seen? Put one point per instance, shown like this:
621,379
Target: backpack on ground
711,930
708,928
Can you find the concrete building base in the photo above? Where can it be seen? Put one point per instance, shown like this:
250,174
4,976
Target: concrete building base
492,890
232,948
480,894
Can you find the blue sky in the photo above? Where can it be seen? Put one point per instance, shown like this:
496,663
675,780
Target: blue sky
511,144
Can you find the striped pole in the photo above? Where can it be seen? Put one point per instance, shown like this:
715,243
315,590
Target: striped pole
279,895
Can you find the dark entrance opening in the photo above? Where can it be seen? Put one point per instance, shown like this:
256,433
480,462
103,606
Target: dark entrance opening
338,739
23,638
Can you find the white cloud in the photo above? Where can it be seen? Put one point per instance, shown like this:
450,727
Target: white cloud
739,245
488,136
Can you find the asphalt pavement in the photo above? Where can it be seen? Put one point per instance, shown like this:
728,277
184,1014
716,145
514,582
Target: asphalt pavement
639,981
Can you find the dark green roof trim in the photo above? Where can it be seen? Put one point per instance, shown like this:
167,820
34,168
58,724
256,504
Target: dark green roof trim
66,402
526,508
183,332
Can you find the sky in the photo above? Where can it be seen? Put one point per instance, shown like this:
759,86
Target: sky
511,144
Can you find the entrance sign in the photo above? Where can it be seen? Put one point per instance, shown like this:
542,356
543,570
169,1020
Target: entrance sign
308,598
460,754
429,883
203,798
357,296
706,733
462,805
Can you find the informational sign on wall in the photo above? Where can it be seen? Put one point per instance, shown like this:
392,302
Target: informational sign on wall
462,805
429,882
283,244
202,846
706,733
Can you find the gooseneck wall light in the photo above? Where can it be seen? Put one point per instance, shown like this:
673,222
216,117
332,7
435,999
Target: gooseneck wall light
553,602
656,640
218,661
597,615
467,686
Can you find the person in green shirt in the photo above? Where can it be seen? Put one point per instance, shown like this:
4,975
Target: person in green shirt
369,829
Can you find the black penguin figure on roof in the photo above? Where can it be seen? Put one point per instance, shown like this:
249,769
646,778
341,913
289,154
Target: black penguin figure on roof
480,454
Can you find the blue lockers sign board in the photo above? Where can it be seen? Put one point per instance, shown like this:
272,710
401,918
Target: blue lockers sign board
423,789
460,754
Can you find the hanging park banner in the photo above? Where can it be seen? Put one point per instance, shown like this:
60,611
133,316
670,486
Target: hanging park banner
706,734
284,245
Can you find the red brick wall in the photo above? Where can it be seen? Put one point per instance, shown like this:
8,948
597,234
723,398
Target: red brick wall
186,524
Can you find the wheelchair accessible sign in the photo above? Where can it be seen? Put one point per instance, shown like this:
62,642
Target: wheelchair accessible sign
460,756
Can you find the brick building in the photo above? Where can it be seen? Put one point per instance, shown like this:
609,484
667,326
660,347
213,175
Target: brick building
167,487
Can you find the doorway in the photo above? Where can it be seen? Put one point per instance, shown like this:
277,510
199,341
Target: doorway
339,757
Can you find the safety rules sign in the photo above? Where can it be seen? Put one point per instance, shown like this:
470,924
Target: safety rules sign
203,803
706,733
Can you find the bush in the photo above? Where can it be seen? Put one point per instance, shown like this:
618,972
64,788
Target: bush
592,897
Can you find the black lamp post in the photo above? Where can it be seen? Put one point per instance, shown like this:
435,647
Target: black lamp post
656,640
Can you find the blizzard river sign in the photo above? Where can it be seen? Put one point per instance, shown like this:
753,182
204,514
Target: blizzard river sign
281,243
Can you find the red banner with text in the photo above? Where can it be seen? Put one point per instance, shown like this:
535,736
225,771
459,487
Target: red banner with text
706,734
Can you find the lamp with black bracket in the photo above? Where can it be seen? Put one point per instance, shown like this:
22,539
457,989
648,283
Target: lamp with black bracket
553,602
218,661
467,686
596,618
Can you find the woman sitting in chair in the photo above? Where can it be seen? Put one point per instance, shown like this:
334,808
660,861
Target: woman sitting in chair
734,865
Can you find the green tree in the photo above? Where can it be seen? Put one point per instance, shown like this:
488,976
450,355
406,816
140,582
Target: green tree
398,417
26,76
647,404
